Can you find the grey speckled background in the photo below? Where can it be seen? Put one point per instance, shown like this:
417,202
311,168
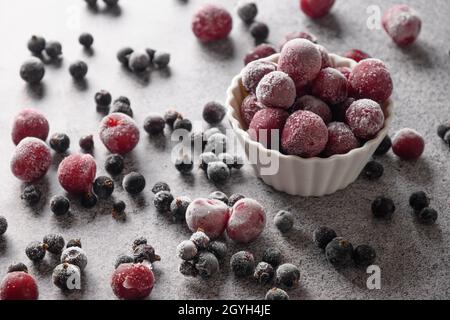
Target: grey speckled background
415,260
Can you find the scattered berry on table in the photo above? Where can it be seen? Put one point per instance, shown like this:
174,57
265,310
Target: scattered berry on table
341,139
276,294
235,198
249,107
151,53
103,98
114,164
86,40
18,285
218,248
122,107
75,256
53,49
134,183
31,195
123,99
188,269
65,276
32,70
263,273
218,172
339,251
122,259
54,243
73,243
154,124
132,281
373,170
111,3
217,143
123,55
298,35
162,201
18,267
87,142
315,105
161,59
322,236
254,72
145,252
208,215
59,205
242,264
119,133
103,187
419,200
200,239
206,158
383,207
316,8
138,61
356,55
36,44
76,173
272,256
402,24
259,31
88,200
29,123
408,144
213,112
427,216
178,208
384,147
227,158
119,209
364,255
31,159
60,142
160,186
184,163
365,117
78,70
3,225
35,251
262,50
187,250
284,221
139,241
182,124
207,264
219,195
276,90
211,23
247,11
331,86
443,128
171,116
288,275
247,220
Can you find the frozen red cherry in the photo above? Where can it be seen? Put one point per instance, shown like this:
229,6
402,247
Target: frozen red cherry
316,8
29,123
340,139
408,144
132,281
402,24
249,107
18,285
260,51
211,23
346,71
315,105
254,72
356,55
326,60
119,133
365,117
304,134
76,173
31,159
276,90
297,35
370,79
267,125
301,60
331,86
247,221
209,215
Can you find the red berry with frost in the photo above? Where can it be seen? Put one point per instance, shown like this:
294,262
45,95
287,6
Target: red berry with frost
297,35
340,109
402,24
249,107
76,173
346,71
276,90
408,144
370,79
316,8
365,117
29,123
31,160
19,285
211,23
208,215
340,139
304,134
132,281
254,72
247,221
260,51
267,125
331,86
301,60
315,105
356,55
119,133
326,60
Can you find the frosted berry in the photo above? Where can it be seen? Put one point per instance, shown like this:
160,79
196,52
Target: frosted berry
331,86
408,144
114,164
132,281
339,252
134,183
54,243
219,195
59,205
364,255
301,60
218,248
419,200
138,61
103,187
383,207
211,23
259,31
60,142
187,250
267,125
32,71
18,285
242,263
31,160
213,112
341,139
254,72
365,118
65,276
373,170
207,264
53,49
247,221
356,55
315,105
145,252
119,133
36,44
218,172
29,123
287,275
249,107
235,198
123,55
346,71
284,221
31,195
162,201
262,50
316,8
276,294
263,273
211,216
103,98
35,251
86,142
322,236
370,79
74,256
76,173
160,186
178,208
160,59
298,35
247,11
272,256
304,134
86,40
276,90
402,24
78,70
427,216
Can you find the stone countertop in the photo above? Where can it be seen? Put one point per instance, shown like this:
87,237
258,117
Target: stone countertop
414,259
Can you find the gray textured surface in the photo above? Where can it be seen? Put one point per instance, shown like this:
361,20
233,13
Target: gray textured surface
415,260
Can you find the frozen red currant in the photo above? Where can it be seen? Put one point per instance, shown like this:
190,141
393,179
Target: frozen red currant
356,55
297,35
301,60
304,134
315,105
18,285
132,281
249,107
29,123
370,79
316,8
402,24
209,215
408,144
76,173
254,72
260,51
31,159
365,117
340,139
267,125
346,71
331,86
247,221
276,90
326,60
119,133
211,23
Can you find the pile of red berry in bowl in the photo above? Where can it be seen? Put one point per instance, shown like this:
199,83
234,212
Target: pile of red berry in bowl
308,120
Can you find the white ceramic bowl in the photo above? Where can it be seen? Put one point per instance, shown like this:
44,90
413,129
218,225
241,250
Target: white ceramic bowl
300,176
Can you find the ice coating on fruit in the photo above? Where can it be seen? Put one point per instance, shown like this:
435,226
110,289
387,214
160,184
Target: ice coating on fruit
211,23
365,117
402,24
254,72
260,51
331,86
119,133
316,8
132,281
208,215
276,90
247,220
249,107
267,125
346,71
29,123
315,105
340,139
326,60
76,173
408,144
297,35
31,159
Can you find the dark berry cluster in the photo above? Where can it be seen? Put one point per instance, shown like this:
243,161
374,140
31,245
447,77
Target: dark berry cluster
140,61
